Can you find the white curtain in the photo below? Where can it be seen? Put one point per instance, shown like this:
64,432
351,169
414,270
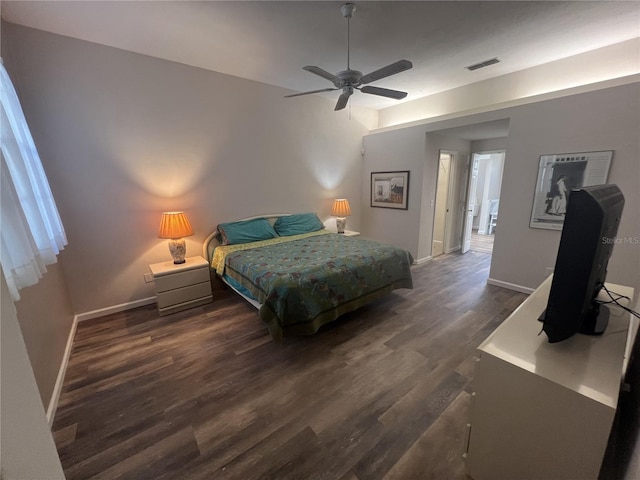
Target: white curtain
31,229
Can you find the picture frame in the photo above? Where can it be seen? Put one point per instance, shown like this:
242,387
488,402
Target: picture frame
390,189
557,175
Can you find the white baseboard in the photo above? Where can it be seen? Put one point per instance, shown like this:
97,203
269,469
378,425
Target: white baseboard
510,286
420,261
57,389
115,309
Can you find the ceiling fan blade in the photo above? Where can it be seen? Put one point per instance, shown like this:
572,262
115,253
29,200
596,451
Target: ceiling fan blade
344,98
384,92
342,102
322,73
397,67
310,92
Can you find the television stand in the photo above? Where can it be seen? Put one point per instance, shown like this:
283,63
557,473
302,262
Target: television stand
545,410
596,325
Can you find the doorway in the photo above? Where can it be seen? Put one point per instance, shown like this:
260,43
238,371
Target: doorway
484,199
447,173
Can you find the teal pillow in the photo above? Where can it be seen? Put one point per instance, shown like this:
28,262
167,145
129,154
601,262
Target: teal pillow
297,224
246,231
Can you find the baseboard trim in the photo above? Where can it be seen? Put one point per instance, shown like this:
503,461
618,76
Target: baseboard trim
420,261
57,389
115,309
510,286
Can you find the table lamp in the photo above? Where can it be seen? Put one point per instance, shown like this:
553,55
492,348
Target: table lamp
175,226
341,210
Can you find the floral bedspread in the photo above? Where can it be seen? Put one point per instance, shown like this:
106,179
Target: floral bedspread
308,280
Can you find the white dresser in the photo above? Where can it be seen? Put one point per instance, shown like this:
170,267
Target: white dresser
541,410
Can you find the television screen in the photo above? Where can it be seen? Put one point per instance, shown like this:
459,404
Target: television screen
588,236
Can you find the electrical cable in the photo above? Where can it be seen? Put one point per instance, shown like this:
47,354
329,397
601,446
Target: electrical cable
616,301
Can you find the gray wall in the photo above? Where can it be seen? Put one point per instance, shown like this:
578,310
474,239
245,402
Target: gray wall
488,144
608,119
124,136
404,152
27,449
600,120
46,318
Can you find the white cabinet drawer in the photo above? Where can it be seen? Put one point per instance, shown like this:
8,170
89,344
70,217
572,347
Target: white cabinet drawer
181,279
185,294
184,306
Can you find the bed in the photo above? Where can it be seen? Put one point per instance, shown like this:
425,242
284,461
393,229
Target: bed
299,275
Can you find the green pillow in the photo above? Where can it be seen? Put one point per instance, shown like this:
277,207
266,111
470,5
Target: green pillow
246,231
297,224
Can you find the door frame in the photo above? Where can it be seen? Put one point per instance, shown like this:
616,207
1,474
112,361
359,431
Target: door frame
471,184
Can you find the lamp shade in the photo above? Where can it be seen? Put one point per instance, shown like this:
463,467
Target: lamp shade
174,225
341,208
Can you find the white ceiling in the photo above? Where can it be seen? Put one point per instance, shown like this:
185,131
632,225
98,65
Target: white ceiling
270,41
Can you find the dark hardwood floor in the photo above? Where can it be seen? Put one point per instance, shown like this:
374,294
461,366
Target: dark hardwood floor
206,394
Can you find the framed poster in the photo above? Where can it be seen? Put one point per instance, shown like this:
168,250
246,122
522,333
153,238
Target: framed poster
390,189
557,175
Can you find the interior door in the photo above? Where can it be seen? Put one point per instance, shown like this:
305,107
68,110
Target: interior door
470,205
442,206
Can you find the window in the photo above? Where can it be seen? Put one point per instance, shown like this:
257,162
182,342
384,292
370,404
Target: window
31,230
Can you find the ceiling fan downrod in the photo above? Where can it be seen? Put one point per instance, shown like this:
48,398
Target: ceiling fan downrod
347,12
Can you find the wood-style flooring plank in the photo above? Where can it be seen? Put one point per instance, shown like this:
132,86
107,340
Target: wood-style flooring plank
205,393
435,455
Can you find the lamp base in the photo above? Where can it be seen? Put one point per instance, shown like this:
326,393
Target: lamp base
178,249
341,222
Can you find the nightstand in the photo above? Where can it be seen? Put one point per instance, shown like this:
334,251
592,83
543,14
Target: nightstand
179,287
350,233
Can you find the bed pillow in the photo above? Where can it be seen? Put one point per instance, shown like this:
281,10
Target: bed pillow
297,224
246,231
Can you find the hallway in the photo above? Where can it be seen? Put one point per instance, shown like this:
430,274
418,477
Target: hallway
481,243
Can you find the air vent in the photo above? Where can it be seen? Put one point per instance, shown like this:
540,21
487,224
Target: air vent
486,63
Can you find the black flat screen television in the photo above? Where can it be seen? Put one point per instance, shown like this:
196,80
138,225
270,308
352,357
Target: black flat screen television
588,236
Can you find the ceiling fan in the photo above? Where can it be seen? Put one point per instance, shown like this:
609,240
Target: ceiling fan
349,80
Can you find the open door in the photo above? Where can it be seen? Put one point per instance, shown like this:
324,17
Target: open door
470,205
442,207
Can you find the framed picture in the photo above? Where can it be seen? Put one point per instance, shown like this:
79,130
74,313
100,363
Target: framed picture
390,189
557,175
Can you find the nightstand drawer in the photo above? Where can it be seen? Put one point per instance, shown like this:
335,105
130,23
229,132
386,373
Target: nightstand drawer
181,279
185,294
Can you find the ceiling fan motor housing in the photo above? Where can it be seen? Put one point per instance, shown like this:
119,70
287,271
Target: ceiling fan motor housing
349,77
